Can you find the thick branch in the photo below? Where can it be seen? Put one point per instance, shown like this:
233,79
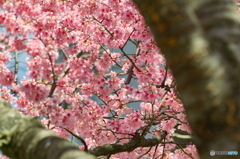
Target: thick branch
137,141
25,138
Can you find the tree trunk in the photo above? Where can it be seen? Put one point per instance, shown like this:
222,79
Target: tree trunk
200,40
25,138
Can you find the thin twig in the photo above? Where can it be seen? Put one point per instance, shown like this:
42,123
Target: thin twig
79,138
16,67
54,84
129,59
155,150
145,152
184,151
111,57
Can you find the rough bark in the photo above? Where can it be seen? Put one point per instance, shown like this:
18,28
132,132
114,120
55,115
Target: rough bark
200,40
25,138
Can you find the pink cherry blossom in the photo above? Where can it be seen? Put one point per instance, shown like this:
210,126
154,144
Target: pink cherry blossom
34,91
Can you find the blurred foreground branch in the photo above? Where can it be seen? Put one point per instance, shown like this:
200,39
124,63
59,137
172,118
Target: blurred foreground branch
26,138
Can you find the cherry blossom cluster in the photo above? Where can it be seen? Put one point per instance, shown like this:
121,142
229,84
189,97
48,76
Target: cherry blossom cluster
83,78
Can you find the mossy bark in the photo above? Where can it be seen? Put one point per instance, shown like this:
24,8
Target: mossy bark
26,138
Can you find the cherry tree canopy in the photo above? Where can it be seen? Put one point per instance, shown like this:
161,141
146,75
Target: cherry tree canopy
77,53
82,79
